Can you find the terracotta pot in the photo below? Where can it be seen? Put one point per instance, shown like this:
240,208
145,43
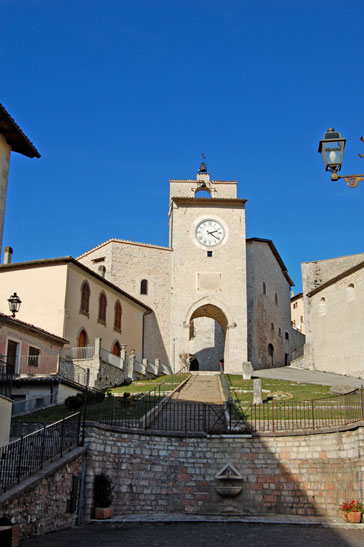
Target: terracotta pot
104,512
354,516
345,515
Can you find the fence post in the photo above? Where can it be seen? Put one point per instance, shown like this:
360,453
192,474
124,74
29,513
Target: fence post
62,433
273,426
362,402
43,442
313,413
20,457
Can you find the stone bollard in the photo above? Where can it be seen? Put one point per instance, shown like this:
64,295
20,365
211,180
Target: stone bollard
247,370
257,392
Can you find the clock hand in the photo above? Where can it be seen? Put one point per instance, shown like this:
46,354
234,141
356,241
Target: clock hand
212,234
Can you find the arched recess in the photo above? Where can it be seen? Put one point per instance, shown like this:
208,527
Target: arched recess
208,343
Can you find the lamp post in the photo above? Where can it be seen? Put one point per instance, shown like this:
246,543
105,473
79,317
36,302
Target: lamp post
331,148
14,304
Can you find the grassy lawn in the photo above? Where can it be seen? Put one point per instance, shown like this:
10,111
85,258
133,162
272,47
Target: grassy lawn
144,386
278,390
51,414
121,410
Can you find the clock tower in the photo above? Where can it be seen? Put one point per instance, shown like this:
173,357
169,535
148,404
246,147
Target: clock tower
208,273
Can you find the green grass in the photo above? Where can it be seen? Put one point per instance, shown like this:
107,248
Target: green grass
276,389
123,411
144,386
51,414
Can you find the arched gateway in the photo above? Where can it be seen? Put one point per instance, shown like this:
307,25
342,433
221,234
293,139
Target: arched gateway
208,326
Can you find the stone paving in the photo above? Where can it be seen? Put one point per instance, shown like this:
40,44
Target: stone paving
198,406
202,388
201,534
309,376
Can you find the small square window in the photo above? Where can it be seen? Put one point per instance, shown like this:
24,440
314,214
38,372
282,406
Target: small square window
209,253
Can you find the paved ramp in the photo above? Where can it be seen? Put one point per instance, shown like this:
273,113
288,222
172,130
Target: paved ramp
199,406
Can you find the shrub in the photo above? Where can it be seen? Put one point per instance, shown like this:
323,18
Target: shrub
73,402
102,491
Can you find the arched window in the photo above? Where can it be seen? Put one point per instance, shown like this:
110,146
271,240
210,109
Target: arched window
272,326
271,354
117,316
116,349
322,307
203,192
351,292
102,308
144,286
264,288
85,298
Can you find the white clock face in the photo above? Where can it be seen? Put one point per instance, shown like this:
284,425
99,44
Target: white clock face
209,232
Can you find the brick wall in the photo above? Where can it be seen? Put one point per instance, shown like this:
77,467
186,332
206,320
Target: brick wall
304,475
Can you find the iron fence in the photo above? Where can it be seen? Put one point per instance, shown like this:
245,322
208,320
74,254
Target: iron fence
313,414
156,410
28,454
6,378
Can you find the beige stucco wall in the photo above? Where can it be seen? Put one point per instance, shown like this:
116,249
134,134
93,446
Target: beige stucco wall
298,313
4,172
262,266
334,340
126,265
5,413
227,286
132,314
42,292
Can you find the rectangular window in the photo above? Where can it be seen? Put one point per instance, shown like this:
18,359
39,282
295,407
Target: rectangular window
286,335
33,357
209,253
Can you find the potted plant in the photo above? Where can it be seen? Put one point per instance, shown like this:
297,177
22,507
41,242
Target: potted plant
352,511
103,496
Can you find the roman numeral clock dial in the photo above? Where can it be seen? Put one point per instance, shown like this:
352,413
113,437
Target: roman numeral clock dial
209,233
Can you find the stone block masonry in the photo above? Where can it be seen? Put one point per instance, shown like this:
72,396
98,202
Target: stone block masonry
293,475
39,504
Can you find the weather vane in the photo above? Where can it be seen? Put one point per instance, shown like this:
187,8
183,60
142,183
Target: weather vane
203,165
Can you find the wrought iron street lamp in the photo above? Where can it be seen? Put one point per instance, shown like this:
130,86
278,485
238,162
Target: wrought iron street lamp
14,304
331,148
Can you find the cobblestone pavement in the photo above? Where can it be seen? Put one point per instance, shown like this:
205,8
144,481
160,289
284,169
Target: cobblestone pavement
199,535
309,376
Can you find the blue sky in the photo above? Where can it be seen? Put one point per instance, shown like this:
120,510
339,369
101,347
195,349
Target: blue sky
119,96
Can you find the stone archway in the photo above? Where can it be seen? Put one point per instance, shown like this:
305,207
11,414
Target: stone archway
207,334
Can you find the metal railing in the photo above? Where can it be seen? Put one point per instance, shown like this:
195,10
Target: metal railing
274,416
86,352
38,364
134,412
28,454
30,405
6,378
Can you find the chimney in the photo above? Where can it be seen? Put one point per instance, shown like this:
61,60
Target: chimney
8,253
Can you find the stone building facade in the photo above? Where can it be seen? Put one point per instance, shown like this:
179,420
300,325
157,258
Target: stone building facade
334,313
202,302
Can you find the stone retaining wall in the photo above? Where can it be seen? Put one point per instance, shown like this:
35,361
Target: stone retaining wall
39,504
303,475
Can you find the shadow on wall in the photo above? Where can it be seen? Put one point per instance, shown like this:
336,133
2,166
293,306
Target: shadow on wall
207,359
306,475
153,343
